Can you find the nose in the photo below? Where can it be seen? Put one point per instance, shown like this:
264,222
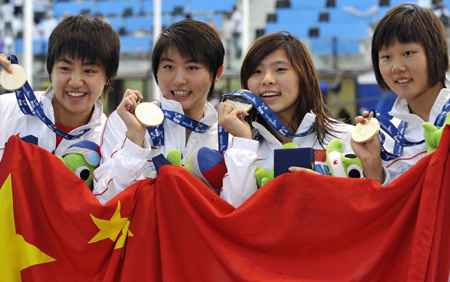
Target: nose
76,80
180,78
268,79
398,66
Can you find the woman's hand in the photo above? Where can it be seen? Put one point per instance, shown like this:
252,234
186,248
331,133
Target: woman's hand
126,108
5,63
232,120
369,152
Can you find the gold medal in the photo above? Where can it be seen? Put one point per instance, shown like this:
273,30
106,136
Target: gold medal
149,114
15,80
363,132
240,102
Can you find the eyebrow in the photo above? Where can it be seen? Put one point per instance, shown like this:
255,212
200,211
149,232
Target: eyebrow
167,59
85,63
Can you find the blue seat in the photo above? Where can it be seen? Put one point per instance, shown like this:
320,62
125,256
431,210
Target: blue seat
216,19
167,6
215,6
297,16
308,4
348,46
117,8
321,46
358,5
72,8
40,46
298,30
133,24
358,30
338,15
133,44
116,23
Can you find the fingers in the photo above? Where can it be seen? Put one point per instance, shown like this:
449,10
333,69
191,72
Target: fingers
5,63
130,100
297,168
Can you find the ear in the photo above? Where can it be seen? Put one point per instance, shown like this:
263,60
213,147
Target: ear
219,74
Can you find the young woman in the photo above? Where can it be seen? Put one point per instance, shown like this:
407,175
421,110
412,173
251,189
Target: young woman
410,57
279,70
82,61
187,60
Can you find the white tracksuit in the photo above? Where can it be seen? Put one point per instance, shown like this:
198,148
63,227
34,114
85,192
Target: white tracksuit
243,155
124,163
413,133
14,122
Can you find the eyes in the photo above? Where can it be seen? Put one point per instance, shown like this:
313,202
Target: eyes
87,69
189,67
388,57
279,69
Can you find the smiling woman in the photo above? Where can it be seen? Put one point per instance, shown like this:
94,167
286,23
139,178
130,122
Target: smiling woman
187,61
409,57
82,61
279,70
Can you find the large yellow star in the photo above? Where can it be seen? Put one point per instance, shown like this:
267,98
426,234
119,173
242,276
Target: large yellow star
15,253
112,228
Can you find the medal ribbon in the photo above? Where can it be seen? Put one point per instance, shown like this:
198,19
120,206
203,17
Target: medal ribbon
29,105
264,110
397,133
157,133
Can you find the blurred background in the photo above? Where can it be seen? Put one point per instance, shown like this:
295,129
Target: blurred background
336,32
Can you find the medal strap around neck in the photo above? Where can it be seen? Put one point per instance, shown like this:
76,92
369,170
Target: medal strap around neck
29,105
157,133
397,133
264,110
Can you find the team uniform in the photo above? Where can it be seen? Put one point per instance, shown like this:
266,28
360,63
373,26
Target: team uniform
33,130
244,155
413,133
124,163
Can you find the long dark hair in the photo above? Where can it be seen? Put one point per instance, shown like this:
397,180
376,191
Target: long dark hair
310,96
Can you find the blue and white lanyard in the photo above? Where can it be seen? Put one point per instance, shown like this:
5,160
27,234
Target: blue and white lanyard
397,133
157,133
264,110
29,105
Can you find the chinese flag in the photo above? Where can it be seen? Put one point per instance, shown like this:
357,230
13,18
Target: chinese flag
298,227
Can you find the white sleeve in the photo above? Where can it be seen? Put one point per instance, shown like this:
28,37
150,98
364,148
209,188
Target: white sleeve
122,161
239,183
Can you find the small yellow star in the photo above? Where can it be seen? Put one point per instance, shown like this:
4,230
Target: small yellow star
15,253
112,228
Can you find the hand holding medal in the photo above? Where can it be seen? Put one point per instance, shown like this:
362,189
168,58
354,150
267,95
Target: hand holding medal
14,80
149,114
365,130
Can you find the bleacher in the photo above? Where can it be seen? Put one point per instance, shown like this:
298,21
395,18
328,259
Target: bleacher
133,19
330,26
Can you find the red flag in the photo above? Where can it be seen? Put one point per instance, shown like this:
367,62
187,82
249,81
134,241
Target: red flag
300,226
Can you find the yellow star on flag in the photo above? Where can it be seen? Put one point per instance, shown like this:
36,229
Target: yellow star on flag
15,253
112,228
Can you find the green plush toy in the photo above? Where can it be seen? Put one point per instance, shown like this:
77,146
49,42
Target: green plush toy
342,164
433,135
82,158
263,175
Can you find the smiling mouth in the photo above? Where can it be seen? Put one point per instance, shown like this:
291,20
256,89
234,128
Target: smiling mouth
270,94
402,81
181,93
76,94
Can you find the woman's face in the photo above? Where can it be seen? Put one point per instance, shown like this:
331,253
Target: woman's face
77,85
277,83
403,67
186,81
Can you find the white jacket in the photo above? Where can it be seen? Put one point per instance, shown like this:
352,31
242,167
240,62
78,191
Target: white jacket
124,163
413,133
244,155
14,122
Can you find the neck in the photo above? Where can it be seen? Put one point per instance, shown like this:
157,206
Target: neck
287,122
71,120
422,105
